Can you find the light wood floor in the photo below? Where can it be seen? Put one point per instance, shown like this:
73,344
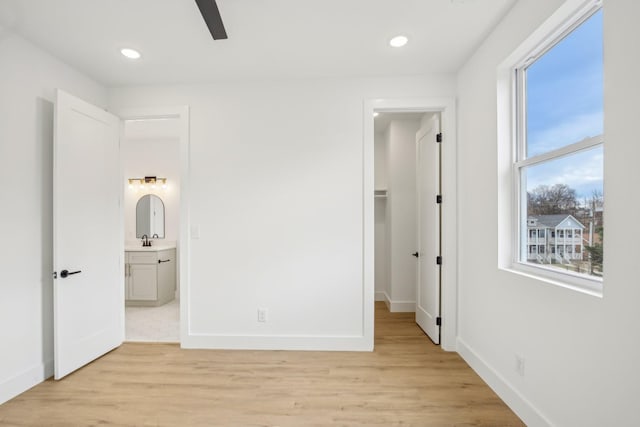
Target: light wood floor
406,381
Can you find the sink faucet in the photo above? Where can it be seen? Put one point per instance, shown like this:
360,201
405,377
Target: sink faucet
145,240
155,236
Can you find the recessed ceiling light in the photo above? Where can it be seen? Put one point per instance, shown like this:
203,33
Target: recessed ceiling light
375,114
130,53
398,41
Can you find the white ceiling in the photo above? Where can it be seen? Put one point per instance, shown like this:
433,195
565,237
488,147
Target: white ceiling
267,38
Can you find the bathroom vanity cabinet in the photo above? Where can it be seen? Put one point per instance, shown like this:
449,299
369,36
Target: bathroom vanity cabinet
150,276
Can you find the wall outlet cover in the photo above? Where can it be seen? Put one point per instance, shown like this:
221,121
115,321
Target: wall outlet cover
195,231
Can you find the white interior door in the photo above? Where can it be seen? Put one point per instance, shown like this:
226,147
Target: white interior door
428,187
88,246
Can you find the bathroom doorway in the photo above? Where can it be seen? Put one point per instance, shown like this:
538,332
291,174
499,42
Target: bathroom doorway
150,153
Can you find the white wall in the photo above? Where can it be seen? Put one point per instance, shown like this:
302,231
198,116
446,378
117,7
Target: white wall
28,77
395,216
380,160
276,189
401,213
380,216
160,158
580,351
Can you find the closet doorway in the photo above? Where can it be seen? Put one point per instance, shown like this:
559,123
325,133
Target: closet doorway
407,215
411,218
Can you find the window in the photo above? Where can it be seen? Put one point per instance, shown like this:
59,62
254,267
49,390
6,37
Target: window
558,165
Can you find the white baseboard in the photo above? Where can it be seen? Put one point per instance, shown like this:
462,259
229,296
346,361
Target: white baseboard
402,306
528,413
277,342
23,381
387,300
396,306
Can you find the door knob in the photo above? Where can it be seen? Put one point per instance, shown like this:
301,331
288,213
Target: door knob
415,254
65,273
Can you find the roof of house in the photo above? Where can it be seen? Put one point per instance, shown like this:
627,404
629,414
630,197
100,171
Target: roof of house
552,221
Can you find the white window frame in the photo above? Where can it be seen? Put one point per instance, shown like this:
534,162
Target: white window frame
512,132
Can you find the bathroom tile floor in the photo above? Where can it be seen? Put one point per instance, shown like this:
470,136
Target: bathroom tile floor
153,324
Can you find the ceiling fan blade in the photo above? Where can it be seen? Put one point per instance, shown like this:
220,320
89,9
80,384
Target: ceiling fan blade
211,15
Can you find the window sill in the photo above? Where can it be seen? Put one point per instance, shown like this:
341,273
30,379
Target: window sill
574,282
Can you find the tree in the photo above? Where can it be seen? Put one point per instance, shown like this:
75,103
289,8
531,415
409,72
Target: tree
596,200
596,252
554,199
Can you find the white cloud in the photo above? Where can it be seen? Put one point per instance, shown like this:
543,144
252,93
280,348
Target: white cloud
582,172
579,128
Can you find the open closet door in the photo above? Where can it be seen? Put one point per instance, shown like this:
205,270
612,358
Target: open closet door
87,240
428,186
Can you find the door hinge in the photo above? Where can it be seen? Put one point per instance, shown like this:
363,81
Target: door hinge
439,137
439,260
438,321
439,198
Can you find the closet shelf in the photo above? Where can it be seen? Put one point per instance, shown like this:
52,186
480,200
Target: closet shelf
380,194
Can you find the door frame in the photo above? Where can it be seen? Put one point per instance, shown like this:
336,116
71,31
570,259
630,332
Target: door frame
182,113
449,216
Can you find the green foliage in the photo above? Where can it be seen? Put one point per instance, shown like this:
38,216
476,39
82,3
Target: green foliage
595,251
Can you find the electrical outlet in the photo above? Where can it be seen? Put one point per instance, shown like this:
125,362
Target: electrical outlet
262,314
520,365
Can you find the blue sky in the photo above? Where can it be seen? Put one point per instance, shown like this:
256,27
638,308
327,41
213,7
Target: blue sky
565,105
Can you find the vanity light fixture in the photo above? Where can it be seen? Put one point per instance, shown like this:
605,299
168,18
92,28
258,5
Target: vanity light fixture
152,181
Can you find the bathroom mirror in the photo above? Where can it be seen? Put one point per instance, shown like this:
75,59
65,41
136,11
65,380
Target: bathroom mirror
150,217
